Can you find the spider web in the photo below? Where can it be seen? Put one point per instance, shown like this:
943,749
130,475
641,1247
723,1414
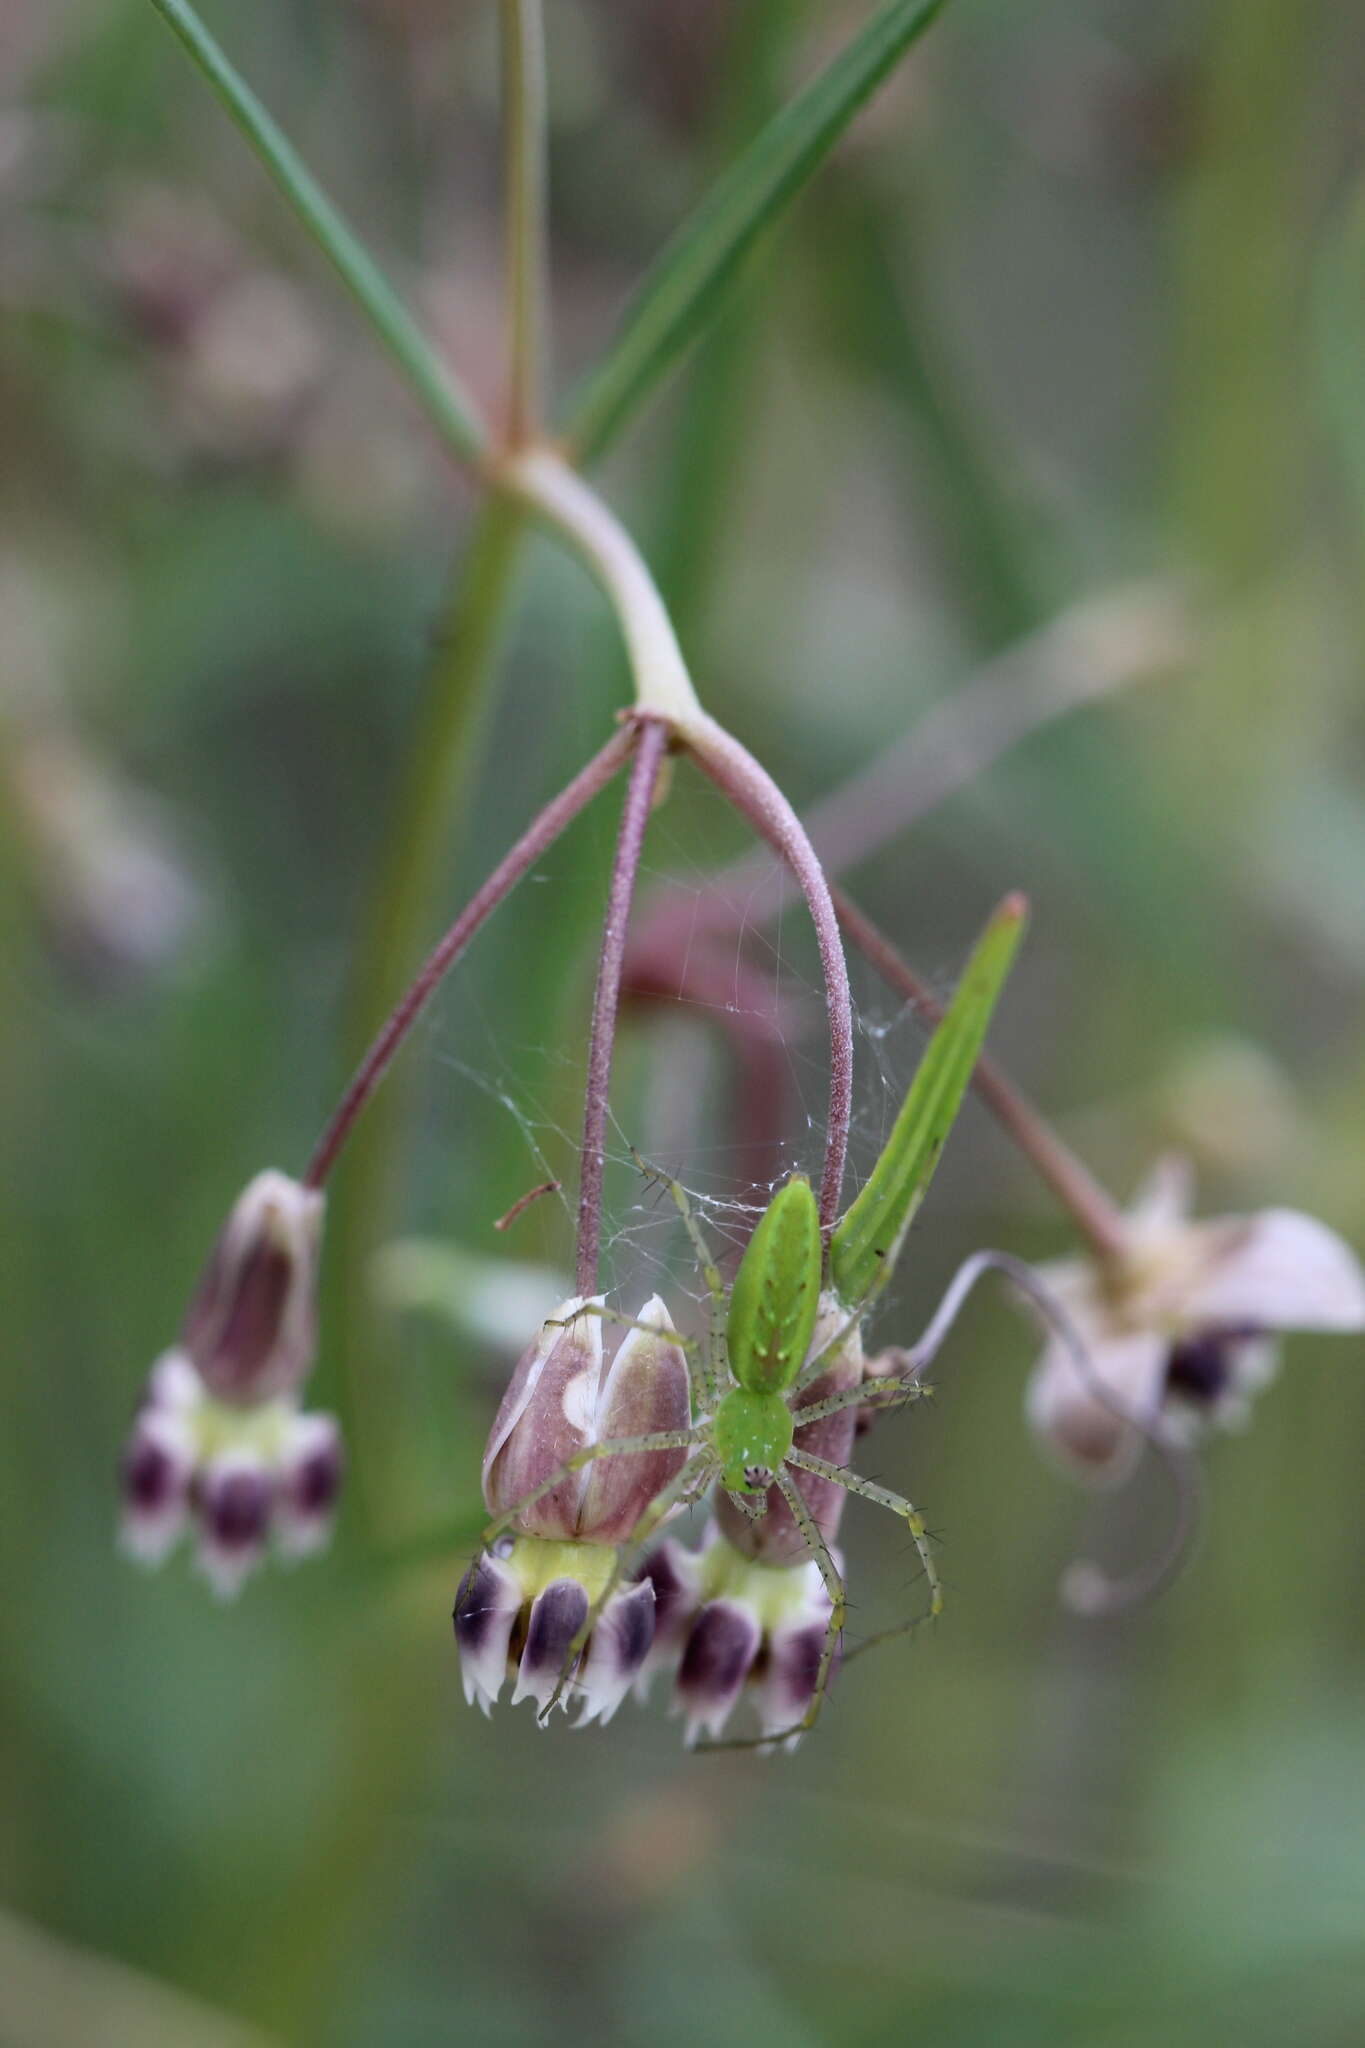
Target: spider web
763,981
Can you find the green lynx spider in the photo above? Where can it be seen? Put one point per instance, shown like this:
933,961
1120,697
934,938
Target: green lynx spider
748,1379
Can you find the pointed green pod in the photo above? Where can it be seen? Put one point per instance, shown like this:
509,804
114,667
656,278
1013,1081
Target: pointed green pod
868,1236
776,1295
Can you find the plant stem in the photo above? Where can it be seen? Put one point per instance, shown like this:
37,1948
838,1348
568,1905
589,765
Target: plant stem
434,382
644,775
750,787
523,67
1075,1187
540,834
663,688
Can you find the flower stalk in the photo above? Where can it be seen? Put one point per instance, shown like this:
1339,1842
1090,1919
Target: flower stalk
651,747
534,841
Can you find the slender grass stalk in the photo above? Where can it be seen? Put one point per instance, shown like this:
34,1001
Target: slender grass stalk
525,132
432,379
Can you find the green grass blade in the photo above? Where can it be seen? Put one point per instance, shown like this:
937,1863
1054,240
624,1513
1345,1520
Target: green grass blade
435,385
869,1234
682,285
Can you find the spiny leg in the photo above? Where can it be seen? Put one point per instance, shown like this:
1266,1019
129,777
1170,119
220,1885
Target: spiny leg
853,1482
886,1635
834,1628
700,1468
874,1393
687,1345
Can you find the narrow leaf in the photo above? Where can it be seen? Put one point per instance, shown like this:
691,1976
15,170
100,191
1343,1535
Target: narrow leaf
431,379
868,1237
682,285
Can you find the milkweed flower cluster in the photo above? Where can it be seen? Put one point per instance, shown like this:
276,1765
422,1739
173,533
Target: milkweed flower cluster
220,1444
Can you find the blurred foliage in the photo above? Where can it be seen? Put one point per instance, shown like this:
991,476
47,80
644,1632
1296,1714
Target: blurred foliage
1081,297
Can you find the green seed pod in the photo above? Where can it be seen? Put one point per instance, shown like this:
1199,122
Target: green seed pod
776,1295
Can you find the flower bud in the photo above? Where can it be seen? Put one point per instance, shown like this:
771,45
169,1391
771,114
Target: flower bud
521,1606
559,1403
251,1330
545,1417
776,1539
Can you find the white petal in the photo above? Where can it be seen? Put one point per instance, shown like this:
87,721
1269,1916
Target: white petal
1279,1270
1080,1416
486,1607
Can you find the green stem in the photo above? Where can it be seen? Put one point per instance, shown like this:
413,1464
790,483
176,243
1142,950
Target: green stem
433,381
523,63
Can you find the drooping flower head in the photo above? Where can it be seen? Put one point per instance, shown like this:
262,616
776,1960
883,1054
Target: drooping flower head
522,1605
1181,1328
220,1442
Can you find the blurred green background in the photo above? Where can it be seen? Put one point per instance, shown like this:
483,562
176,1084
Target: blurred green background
1081,299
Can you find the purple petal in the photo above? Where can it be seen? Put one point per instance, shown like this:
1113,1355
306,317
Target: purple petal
617,1649
233,1496
309,1482
486,1608
556,1617
792,1667
157,1466
716,1661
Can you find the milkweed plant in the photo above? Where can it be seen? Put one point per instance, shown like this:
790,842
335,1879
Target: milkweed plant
621,1420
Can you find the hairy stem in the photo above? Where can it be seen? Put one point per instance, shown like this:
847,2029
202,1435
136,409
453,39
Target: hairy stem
644,776
540,834
749,786
523,67
1069,1178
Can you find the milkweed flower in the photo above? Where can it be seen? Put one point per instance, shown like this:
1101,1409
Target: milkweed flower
220,1443
733,1626
523,1602
1181,1326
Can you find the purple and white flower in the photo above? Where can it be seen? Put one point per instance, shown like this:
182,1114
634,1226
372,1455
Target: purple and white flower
524,1603
233,1477
1181,1328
